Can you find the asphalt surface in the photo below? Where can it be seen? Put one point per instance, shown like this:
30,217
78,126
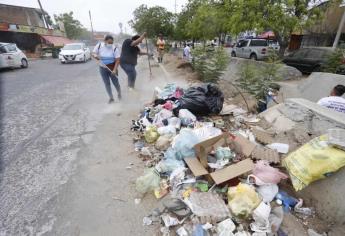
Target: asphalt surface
48,111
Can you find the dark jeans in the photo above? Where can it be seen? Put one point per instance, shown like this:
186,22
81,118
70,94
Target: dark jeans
131,73
107,76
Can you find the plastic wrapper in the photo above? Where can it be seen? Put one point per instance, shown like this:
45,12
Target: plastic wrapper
226,227
224,153
313,161
169,165
163,143
243,200
183,144
206,132
160,116
267,173
268,192
175,122
167,130
151,134
186,117
148,182
203,100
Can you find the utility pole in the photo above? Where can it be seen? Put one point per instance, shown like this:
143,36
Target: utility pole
340,28
43,14
175,7
92,36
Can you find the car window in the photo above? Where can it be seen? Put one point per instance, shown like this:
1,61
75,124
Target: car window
242,43
11,48
300,53
3,49
258,43
315,53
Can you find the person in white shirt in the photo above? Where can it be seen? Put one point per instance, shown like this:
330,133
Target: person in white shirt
334,101
108,58
186,53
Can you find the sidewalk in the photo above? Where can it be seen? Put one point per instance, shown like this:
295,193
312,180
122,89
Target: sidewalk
99,198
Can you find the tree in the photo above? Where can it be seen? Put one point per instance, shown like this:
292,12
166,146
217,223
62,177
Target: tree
153,20
283,17
74,29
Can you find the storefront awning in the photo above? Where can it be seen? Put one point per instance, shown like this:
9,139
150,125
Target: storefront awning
56,41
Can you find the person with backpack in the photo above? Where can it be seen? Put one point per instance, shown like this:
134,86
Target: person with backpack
129,58
108,59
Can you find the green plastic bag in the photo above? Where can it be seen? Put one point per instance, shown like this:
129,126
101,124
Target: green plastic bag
151,134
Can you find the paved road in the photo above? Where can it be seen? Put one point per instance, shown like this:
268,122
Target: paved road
49,112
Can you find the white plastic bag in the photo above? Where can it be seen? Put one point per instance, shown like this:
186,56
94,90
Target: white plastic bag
186,117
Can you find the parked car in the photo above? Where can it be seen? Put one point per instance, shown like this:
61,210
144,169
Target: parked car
11,56
308,60
74,52
255,49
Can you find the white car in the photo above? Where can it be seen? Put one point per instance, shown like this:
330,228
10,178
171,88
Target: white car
255,49
74,52
11,56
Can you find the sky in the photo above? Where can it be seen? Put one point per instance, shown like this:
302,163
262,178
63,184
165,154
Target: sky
106,14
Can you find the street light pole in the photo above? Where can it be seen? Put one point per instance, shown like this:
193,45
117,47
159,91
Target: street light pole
44,16
340,28
92,36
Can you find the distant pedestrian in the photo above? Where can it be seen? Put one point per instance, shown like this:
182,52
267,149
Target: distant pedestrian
335,101
108,58
160,48
129,57
186,52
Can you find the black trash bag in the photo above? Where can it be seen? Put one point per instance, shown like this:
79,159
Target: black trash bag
202,100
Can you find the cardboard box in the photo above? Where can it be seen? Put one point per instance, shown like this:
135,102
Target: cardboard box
198,165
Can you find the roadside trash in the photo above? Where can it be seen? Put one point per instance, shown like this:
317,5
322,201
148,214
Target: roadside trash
276,218
186,117
266,154
167,130
175,122
305,165
243,200
145,152
336,137
163,143
184,143
206,132
147,221
137,201
203,187
151,134
181,232
168,105
267,192
160,116
219,123
312,232
139,145
198,231
286,200
208,204
260,216
203,100
162,190
168,165
177,207
267,173
226,227
169,221
303,210
207,226
224,153
279,147
148,182
176,177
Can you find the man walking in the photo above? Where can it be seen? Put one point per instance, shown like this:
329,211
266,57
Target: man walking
129,58
160,48
108,58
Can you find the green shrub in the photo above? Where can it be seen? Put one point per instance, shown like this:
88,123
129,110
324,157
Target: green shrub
334,60
209,62
257,79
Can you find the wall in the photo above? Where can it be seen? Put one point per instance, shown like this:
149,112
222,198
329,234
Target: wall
20,15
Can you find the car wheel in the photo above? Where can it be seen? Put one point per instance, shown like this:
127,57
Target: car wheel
62,62
253,57
317,68
233,54
24,64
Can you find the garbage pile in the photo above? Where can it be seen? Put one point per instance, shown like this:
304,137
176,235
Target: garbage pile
217,170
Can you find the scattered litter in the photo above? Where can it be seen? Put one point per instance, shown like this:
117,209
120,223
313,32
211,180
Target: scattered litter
336,137
260,216
169,220
151,134
181,231
226,227
267,192
279,147
207,226
137,201
118,199
303,210
147,221
286,200
267,173
266,154
262,136
276,218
